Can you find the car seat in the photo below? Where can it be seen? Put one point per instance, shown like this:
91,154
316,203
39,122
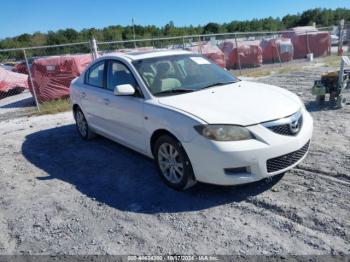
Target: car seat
162,81
147,74
122,77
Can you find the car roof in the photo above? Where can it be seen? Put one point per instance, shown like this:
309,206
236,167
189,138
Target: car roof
144,54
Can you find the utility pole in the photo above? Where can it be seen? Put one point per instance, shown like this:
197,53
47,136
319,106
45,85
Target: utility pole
133,31
341,36
93,46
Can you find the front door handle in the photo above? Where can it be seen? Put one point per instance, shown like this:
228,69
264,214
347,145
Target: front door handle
83,94
106,101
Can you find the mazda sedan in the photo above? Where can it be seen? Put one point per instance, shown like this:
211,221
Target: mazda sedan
196,120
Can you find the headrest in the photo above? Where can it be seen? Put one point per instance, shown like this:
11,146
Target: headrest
163,68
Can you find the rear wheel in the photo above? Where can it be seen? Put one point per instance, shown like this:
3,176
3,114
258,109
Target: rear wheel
341,101
173,163
320,99
332,98
82,125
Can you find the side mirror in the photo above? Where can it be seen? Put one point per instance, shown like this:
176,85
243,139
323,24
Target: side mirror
124,90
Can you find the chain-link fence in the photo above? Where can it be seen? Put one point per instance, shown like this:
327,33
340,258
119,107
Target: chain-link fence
37,79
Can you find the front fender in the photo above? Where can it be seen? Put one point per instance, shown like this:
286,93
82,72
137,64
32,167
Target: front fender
179,123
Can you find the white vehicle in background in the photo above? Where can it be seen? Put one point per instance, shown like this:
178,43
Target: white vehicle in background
334,40
195,119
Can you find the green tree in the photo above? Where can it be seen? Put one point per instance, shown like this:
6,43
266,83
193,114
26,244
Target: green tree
322,17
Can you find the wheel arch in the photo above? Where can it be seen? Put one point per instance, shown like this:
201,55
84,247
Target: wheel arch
75,107
158,133
191,180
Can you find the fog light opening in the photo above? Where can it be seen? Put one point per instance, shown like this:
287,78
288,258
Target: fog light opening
237,171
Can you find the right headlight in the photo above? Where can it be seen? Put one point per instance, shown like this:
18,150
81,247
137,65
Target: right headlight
224,132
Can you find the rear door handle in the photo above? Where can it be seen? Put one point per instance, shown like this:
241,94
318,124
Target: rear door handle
83,94
106,101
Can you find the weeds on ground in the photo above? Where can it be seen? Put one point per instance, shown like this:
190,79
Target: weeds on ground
54,106
332,61
267,72
288,69
329,61
256,73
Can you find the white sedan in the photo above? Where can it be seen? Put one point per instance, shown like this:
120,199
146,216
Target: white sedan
195,119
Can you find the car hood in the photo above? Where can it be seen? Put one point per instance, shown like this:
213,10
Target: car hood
242,103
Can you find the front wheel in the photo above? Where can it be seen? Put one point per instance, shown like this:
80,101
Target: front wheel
173,163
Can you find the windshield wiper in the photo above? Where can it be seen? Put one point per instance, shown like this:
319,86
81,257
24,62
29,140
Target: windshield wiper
174,91
217,84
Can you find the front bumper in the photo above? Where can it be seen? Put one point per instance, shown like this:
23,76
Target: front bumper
210,159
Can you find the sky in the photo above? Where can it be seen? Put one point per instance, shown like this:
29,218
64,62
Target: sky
29,16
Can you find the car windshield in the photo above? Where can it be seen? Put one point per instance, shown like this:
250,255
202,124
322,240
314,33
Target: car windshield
176,74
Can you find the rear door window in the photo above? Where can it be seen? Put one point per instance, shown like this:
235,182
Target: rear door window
96,74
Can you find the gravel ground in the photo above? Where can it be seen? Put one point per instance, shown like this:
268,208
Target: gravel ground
62,195
17,105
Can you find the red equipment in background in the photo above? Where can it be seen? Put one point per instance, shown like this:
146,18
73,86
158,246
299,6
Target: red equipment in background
52,75
249,52
21,68
276,50
211,52
307,39
12,81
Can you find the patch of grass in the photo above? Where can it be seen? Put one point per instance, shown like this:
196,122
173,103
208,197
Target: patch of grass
54,106
331,61
256,73
288,69
261,72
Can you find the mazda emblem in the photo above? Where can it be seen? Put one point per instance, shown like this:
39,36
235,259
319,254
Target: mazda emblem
294,127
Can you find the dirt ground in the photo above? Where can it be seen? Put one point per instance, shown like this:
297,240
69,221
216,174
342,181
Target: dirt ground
62,195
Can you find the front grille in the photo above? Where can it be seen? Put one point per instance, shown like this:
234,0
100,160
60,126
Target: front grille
282,162
285,129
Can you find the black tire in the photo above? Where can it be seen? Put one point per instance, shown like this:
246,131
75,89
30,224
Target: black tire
187,179
82,125
332,98
341,101
320,99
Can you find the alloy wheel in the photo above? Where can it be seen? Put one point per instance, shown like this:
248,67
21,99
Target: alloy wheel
170,163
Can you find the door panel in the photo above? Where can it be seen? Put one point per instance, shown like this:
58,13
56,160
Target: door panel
91,94
123,115
118,117
123,119
93,106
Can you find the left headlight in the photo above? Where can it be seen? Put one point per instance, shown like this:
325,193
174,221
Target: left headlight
224,132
